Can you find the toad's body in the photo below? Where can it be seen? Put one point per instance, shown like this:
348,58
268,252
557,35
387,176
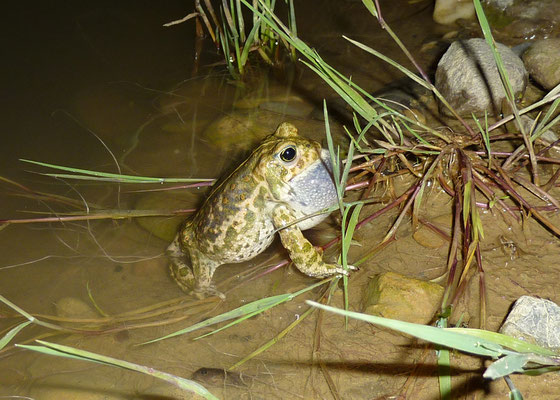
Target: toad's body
284,179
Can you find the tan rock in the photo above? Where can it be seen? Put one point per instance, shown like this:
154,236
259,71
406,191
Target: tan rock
396,296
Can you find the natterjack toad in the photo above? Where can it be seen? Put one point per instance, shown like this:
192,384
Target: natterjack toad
285,179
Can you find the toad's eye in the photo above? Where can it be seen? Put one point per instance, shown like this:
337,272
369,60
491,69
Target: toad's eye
288,154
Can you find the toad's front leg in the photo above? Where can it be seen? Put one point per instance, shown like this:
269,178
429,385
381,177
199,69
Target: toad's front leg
304,255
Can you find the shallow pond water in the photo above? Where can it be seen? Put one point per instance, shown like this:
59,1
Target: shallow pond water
85,78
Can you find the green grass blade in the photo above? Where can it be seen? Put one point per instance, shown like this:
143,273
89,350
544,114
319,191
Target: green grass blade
351,227
249,43
335,160
77,354
347,166
237,321
287,297
240,21
395,64
444,365
7,302
554,92
510,95
243,312
443,337
371,7
259,305
509,342
119,177
13,332
292,26
540,371
549,125
487,32
506,365
444,373
274,340
485,135
550,112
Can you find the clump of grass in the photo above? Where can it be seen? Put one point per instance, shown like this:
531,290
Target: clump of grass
237,39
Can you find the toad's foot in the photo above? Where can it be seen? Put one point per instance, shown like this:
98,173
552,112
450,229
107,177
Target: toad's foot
306,258
330,269
209,291
184,277
334,269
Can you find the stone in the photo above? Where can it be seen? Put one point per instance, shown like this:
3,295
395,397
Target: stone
396,296
534,320
447,12
542,60
468,78
523,19
71,307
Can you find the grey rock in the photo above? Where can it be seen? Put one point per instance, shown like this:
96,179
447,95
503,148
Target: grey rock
542,60
468,78
534,320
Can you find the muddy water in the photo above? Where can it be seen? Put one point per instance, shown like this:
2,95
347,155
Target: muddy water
83,79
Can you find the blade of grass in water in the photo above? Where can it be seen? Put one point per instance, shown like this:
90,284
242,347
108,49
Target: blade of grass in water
259,305
96,175
479,344
12,333
444,337
512,343
101,214
252,314
77,354
347,233
444,366
274,340
335,160
242,312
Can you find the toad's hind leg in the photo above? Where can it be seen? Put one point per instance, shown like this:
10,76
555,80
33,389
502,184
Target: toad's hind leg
192,270
181,271
203,269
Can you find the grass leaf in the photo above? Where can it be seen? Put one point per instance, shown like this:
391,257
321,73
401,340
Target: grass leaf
13,332
258,305
77,354
443,337
506,365
96,175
